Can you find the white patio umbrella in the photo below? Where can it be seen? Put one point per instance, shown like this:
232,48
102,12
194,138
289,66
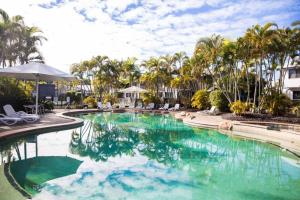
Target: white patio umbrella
133,89
36,72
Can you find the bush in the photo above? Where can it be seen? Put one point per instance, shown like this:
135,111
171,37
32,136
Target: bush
74,96
238,107
296,110
110,98
48,105
277,104
216,98
10,93
91,101
200,99
149,97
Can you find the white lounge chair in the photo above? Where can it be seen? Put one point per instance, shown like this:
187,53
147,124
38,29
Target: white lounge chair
108,106
29,118
212,111
9,120
99,105
176,107
150,106
165,107
139,106
131,106
122,105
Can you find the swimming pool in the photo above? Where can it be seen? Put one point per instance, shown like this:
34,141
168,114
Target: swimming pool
147,156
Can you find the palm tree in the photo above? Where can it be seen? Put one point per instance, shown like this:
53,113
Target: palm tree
260,37
179,59
18,42
29,51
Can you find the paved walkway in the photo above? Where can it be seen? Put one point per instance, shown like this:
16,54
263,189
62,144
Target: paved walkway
49,122
285,138
46,119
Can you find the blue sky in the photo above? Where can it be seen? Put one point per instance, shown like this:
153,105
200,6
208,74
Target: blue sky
79,29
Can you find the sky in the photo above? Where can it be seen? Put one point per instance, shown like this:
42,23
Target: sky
80,29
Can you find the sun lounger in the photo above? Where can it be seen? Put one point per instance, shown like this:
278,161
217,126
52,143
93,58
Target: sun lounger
10,112
150,106
139,106
213,111
176,107
165,107
9,120
122,105
99,105
131,106
108,106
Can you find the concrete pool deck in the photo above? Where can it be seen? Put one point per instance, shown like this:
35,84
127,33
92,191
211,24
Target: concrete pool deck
287,137
49,122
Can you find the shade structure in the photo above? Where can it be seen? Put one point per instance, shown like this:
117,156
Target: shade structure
36,72
133,89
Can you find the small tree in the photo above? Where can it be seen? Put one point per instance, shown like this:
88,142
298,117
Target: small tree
238,107
217,99
200,99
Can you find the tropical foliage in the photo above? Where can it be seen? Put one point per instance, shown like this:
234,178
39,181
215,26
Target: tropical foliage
238,107
218,99
250,69
200,99
18,42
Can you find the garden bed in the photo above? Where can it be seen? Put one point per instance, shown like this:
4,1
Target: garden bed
262,117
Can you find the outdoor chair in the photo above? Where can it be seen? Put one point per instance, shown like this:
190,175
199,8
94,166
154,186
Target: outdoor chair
176,107
99,105
150,106
122,105
139,106
165,107
9,121
131,106
213,111
29,118
108,106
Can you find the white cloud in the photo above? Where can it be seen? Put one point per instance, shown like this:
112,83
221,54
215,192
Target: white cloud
140,28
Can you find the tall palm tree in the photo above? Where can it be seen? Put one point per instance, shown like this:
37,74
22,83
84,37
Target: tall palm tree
30,39
260,37
18,42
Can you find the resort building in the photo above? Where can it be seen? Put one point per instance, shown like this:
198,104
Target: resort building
292,81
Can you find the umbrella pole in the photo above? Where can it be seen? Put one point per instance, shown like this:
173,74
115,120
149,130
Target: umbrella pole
37,95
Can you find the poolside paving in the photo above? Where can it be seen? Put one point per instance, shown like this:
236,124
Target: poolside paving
285,138
48,122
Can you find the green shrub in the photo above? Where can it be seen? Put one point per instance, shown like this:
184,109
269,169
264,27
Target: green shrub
110,98
200,99
74,96
217,98
277,104
91,101
12,94
296,110
238,107
48,105
149,97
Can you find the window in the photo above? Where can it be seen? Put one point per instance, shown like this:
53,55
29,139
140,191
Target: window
294,73
296,95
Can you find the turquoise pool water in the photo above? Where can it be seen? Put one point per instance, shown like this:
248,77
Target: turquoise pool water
146,156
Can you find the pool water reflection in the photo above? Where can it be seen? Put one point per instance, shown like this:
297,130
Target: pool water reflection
147,156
